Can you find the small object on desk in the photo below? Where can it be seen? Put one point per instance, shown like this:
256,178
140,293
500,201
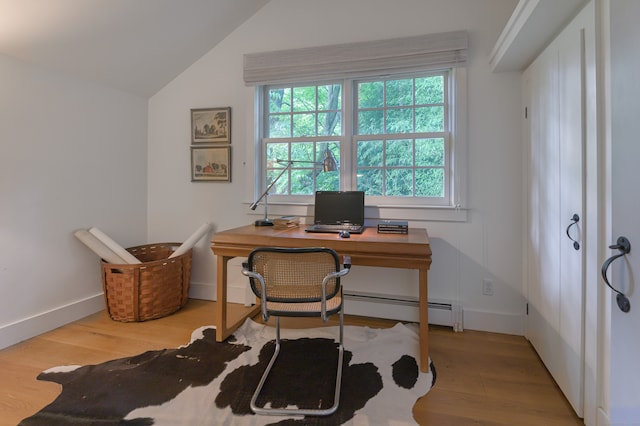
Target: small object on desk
286,222
344,234
393,227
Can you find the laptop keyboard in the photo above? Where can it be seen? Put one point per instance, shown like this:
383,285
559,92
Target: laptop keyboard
337,228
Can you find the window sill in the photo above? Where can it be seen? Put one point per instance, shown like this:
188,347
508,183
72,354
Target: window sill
372,213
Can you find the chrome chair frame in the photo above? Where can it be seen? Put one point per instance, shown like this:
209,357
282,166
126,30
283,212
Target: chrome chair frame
324,313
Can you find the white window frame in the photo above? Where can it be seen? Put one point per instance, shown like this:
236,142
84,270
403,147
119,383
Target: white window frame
262,140
425,202
379,207
448,49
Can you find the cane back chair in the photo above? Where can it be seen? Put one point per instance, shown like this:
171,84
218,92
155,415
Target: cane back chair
297,282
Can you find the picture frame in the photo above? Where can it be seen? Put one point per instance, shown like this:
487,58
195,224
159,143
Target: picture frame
211,163
211,125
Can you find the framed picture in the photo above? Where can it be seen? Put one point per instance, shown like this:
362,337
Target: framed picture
211,163
211,125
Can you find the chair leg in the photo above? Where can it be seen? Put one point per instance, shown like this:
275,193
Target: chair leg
336,398
263,379
295,411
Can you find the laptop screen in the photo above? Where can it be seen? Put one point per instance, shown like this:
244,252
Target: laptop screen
337,207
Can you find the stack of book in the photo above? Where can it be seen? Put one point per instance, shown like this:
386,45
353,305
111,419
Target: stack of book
393,227
285,222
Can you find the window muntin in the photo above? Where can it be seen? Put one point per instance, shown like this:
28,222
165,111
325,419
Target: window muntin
304,111
408,167
400,149
401,145
305,176
302,123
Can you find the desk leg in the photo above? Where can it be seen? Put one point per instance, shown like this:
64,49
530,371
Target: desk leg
424,320
221,299
224,327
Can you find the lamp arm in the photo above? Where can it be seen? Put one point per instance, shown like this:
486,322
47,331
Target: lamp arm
255,203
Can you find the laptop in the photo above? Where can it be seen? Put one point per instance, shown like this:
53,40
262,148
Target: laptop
336,211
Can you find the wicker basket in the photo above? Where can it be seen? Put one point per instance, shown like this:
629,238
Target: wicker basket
157,287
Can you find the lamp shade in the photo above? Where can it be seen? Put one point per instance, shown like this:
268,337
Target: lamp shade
329,164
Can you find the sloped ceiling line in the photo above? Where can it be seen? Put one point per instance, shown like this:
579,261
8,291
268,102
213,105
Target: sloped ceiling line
135,46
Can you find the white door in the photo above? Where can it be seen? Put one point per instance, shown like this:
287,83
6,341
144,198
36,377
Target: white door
624,273
555,289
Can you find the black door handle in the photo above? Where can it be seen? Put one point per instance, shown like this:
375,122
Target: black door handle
574,220
623,246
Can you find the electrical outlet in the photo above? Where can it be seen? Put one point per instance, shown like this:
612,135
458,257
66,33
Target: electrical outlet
487,287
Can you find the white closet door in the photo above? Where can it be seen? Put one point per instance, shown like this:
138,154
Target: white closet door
555,291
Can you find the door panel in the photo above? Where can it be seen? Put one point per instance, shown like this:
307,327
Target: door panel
572,202
555,324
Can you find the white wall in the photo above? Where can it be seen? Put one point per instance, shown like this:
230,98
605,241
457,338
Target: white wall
72,155
486,246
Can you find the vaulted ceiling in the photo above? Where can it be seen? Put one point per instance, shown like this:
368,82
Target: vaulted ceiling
133,45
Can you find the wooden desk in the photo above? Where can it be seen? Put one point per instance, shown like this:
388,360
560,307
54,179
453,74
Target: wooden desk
409,251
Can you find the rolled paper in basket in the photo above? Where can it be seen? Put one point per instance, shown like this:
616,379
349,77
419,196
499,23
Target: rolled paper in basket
98,247
117,248
192,240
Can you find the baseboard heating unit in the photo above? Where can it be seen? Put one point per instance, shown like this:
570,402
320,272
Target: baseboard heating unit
402,308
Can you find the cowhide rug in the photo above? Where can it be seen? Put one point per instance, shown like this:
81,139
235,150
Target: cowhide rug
211,383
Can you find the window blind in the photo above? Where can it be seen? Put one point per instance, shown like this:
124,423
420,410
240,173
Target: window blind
441,50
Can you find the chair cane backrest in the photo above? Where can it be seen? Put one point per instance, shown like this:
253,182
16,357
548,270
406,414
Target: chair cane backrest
294,275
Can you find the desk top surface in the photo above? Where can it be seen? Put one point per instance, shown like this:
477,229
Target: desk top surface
415,244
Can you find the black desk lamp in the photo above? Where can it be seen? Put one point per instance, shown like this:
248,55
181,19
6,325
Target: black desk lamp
329,164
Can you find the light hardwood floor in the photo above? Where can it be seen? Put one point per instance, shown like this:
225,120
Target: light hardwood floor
482,378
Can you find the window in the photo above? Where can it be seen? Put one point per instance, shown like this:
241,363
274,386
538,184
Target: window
303,125
393,143
390,113
401,140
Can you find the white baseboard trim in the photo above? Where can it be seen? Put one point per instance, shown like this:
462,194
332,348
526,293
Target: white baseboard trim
494,322
446,313
603,418
395,308
402,308
203,291
207,291
26,328
381,310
